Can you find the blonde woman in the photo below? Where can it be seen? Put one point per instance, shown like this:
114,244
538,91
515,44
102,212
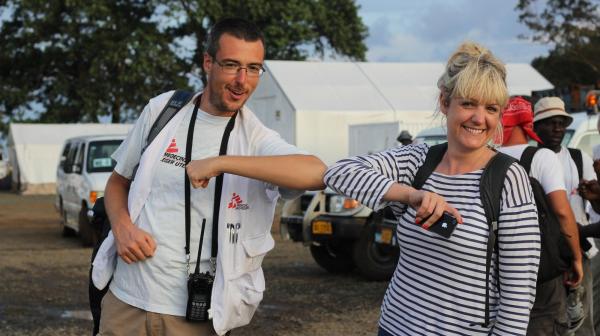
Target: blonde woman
439,285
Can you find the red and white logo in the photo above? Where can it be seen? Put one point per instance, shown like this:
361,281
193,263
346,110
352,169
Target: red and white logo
237,203
172,147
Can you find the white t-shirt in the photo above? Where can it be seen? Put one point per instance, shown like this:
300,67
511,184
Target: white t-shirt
158,284
572,182
545,167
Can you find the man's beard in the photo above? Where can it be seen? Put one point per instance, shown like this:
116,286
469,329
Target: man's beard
219,104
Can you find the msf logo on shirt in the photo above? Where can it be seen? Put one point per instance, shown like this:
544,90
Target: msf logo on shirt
237,203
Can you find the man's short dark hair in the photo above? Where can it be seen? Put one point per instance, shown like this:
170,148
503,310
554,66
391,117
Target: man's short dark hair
240,28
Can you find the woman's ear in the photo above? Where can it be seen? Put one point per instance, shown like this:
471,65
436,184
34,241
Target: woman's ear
444,103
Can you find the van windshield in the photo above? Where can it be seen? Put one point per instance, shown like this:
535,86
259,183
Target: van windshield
99,152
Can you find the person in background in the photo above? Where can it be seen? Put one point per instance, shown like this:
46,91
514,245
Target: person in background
550,123
439,285
404,138
549,313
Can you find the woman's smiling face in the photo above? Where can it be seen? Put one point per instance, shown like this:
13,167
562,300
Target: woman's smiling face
470,123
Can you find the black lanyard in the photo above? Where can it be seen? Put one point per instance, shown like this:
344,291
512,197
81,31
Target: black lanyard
218,189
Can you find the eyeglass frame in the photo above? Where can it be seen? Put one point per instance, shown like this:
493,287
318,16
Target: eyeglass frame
239,67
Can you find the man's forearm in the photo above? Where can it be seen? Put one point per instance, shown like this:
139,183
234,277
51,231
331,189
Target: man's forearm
568,226
302,172
115,201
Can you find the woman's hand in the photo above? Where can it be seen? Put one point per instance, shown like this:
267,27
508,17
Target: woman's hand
430,207
201,171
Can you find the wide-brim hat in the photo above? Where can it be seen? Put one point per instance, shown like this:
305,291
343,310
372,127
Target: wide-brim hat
404,135
549,107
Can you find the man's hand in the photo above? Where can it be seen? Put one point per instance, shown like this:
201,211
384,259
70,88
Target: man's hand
201,171
589,190
597,167
133,243
574,278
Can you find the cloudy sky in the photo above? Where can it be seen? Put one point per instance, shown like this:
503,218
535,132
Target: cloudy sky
430,30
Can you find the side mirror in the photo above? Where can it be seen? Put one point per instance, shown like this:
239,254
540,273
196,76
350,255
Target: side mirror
76,169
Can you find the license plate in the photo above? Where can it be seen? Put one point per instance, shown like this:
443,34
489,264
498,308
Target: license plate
322,227
384,236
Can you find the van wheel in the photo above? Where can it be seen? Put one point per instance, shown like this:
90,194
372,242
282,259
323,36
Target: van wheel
334,257
86,232
67,231
374,261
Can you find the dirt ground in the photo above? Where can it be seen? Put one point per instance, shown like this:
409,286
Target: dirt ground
43,283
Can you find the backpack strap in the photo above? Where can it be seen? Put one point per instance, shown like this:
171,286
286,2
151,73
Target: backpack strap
578,159
432,159
175,103
527,157
178,100
490,192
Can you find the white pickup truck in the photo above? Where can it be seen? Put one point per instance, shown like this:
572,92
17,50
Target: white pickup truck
83,170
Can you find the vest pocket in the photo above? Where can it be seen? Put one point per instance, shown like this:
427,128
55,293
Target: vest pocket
255,249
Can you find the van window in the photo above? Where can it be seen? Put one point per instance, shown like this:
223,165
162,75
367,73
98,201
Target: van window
63,155
70,159
588,141
79,158
99,153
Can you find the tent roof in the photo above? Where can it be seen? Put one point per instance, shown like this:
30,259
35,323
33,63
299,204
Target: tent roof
50,134
359,86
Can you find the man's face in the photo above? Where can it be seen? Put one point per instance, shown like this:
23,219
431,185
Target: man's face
227,92
552,131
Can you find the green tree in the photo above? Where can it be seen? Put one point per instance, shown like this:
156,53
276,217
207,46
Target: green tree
294,29
573,27
80,59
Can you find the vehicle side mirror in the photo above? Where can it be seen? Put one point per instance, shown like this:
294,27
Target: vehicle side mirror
76,169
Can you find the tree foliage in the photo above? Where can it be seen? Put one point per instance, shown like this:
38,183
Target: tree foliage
77,60
573,27
294,29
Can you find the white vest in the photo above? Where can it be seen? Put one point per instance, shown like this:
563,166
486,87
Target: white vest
239,280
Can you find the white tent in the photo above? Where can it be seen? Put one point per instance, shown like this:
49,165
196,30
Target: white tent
337,109
34,151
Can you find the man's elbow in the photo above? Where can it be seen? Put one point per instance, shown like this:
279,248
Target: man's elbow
319,168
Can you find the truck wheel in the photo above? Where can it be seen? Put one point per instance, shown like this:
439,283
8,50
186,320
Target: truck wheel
374,261
333,257
66,231
88,237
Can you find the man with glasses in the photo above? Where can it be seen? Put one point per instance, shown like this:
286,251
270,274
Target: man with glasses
149,215
550,123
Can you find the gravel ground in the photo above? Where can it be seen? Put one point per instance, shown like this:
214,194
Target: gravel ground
44,283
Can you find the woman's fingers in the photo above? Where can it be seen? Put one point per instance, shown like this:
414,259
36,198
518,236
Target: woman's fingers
432,207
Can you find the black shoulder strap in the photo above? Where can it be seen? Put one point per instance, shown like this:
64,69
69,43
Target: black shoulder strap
432,160
527,157
578,158
175,103
490,192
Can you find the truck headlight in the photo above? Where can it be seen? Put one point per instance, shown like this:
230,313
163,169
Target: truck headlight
94,195
339,203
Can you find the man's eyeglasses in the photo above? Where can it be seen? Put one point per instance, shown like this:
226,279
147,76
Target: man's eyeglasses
233,68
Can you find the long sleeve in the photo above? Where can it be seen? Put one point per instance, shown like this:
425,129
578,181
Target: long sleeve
367,178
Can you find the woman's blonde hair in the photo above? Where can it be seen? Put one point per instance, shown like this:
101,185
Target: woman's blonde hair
473,72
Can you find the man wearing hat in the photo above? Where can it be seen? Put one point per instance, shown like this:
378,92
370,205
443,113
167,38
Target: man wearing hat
550,123
404,138
549,312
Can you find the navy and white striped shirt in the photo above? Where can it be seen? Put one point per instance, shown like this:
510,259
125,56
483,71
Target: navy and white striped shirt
438,287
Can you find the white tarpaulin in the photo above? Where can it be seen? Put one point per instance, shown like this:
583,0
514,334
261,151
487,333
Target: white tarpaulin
34,151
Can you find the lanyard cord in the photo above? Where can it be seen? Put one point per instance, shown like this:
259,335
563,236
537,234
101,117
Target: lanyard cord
217,197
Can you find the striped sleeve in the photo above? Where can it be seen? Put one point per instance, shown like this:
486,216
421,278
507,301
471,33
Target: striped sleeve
519,254
367,178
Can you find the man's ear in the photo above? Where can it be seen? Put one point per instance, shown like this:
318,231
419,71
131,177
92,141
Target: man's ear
207,62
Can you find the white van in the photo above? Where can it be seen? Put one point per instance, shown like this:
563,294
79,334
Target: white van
85,166
581,134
